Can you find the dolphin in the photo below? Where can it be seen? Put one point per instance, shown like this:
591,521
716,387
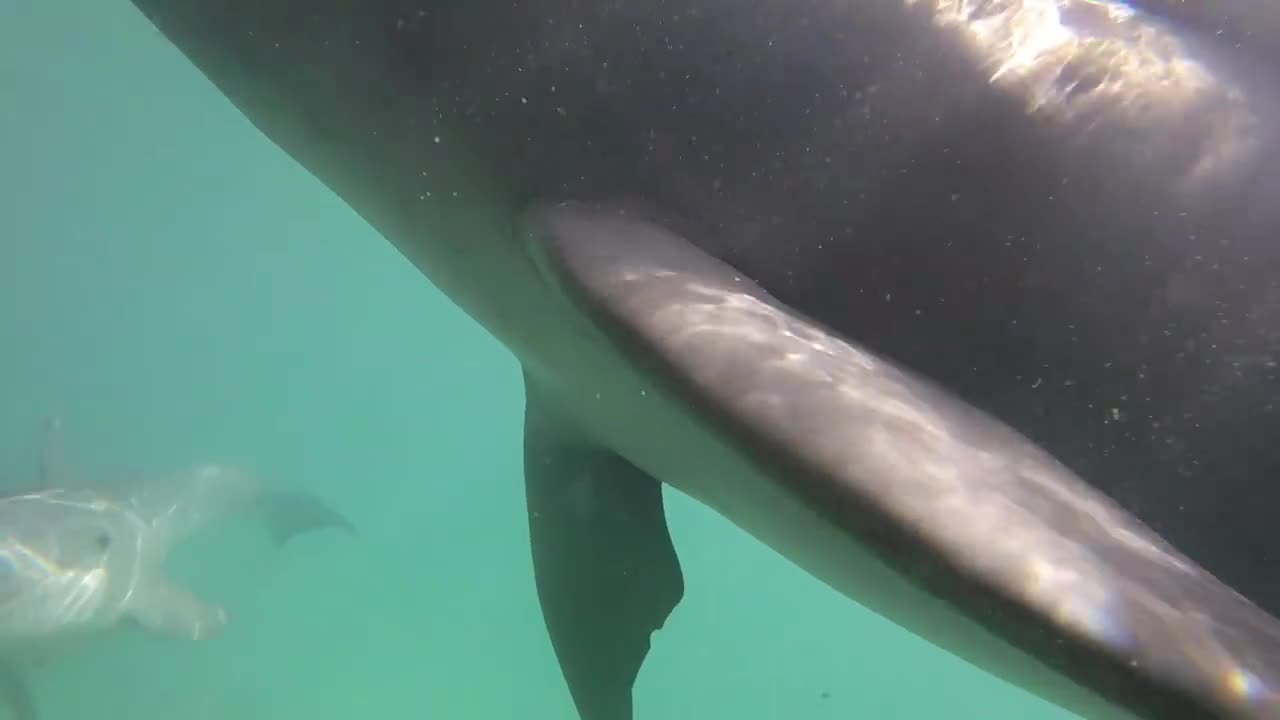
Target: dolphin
77,562
970,308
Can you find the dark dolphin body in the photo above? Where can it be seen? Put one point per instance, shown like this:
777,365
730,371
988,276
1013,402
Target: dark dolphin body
936,297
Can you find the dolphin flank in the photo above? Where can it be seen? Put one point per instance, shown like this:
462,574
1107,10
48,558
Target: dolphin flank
968,307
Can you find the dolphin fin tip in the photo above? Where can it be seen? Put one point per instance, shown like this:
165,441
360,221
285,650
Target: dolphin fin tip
292,513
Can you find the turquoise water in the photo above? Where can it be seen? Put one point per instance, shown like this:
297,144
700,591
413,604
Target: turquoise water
178,290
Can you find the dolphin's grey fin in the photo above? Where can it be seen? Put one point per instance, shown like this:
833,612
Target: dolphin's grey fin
166,609
903,466
292,513
606,571
15,693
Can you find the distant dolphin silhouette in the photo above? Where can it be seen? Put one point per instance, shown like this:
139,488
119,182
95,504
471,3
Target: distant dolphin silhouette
971,308
75,562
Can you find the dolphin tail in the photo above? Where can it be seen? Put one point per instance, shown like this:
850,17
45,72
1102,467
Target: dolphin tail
15,694
294,513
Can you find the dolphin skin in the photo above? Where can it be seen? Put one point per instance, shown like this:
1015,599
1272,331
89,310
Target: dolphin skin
971,308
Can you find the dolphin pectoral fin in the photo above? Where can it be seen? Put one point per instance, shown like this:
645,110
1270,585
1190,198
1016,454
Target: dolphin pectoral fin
293,513
166,609
16,694
606,571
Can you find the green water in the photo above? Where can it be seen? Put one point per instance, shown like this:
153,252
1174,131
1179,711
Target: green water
178,290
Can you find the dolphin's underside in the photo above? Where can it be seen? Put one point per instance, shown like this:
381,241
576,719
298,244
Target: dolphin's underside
987,289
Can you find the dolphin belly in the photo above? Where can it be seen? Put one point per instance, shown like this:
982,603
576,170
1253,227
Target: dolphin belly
660,433
615,390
